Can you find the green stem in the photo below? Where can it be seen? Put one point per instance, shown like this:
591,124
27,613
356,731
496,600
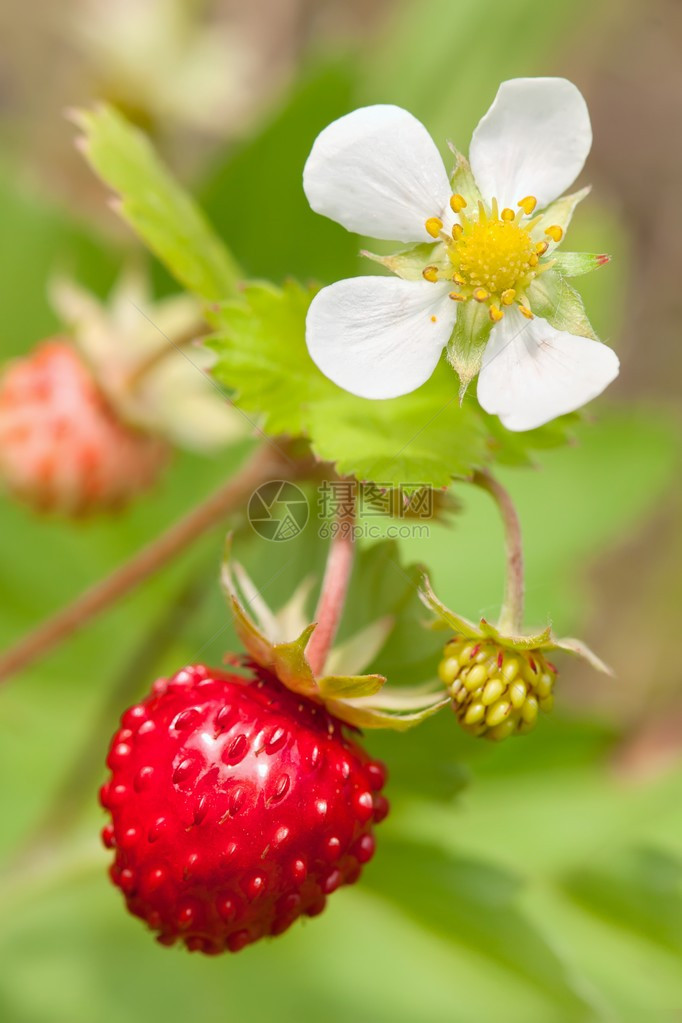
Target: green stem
511,614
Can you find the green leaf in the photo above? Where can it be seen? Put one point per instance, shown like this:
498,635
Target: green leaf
262,356
468,341
164,216
553,298
472,904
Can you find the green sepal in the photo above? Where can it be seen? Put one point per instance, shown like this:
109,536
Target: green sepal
371,714
541,641
575,264
576,646
291,667
554,299
559,213
462,180
409,263
457,623
343,687
467,343
538,641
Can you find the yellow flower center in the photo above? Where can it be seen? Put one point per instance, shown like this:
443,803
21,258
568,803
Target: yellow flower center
493,255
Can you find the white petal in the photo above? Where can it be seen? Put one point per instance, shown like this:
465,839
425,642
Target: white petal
534,140
378,172
532,373
379,337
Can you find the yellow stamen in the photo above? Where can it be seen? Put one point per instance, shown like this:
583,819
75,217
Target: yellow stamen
528,204
458,279
541,248
434,226
533,259
430,273
434,319
457,231
457,297
525,310
480,295
457,203
496,313
508,214
555,233
508,296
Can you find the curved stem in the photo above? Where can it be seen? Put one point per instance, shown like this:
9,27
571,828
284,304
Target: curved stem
169,347
267,463
334,589
511,615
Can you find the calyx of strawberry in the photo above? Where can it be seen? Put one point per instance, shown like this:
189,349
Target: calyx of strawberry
363,701
497,681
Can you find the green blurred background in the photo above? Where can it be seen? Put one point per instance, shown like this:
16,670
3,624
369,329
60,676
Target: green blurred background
539,881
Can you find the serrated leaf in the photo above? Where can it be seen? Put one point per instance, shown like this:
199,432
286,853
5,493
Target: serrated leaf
467,344
425,437
262,356
575,264
553,298
157,208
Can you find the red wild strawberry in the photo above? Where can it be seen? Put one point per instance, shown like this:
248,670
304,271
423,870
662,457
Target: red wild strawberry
236,806
62,446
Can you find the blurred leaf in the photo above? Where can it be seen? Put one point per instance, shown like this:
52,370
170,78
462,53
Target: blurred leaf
474,904
255,195
640,890
155,205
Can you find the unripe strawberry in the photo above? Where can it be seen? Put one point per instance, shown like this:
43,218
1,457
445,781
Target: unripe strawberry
496,692
62,446
236,807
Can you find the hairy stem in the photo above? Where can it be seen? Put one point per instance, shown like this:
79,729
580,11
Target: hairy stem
511,615
334,589
267,463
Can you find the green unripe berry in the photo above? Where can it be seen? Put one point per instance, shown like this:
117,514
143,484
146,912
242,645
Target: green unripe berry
496,691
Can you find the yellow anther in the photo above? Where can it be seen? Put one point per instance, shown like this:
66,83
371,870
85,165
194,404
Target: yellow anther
508,296
496,313
481,295
430,273
554,232
457,231
533,259
541,248
457,203
528,204
525,310
457,297
508,214
458,279
434,226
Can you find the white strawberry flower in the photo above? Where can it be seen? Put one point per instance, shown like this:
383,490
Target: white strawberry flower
482,278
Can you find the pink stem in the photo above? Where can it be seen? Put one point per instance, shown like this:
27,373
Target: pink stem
333,596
